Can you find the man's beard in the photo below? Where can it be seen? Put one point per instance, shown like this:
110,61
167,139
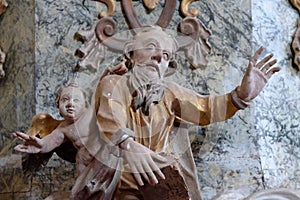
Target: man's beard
145,91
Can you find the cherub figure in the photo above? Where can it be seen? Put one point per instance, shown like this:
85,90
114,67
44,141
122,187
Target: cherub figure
79,126
139,112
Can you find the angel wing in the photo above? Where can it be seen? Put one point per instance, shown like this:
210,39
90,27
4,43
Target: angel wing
42,125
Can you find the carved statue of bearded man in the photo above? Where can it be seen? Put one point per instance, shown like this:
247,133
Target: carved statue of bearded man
139,112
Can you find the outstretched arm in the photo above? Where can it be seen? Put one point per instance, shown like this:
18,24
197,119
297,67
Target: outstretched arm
206,109
256,76
33,144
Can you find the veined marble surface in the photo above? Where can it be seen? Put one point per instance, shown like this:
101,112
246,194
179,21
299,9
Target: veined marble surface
256,149
277,113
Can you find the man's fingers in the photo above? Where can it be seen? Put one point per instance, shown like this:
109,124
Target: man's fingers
158,158
21,148
272,71
159,173
32,138
21,136
137,174
268,66
155,169
145,176
150,172
145,170
264,61
138,179
257,54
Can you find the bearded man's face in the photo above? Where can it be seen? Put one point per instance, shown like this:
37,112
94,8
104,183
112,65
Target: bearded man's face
152,53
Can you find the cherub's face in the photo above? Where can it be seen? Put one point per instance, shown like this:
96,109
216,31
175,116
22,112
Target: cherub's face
152,52
71,103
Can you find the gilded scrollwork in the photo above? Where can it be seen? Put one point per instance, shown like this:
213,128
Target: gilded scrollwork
193,39
111,7
188,12
151,4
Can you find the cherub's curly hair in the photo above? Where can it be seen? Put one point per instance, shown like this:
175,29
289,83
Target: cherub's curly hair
74,85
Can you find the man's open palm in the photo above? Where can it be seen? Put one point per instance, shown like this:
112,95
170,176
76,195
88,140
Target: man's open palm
256,76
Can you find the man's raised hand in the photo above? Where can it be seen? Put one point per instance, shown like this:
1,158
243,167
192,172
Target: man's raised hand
256,76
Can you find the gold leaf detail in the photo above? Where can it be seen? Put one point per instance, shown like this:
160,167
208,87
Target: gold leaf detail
192,12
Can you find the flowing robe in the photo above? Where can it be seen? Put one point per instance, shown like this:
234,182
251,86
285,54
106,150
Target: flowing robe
163,130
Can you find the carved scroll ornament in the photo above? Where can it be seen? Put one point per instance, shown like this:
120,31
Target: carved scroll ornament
192,38
296,39
184,7
111,7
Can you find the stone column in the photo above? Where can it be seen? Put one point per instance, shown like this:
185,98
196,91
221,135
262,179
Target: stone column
17,88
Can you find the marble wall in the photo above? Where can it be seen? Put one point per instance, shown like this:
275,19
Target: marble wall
256,149
277,109
17,89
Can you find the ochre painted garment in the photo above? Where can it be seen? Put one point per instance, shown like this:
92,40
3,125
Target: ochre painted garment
157,131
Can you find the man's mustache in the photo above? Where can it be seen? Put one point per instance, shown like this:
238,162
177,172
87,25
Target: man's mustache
151,64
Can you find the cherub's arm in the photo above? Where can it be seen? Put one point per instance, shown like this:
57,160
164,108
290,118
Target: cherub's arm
35,145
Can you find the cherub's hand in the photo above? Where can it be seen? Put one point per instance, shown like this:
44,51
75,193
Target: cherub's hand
256,76
142,162
31,144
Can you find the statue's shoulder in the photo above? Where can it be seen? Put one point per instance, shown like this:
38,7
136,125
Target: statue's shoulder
112,83
112,79
171,85
178,90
